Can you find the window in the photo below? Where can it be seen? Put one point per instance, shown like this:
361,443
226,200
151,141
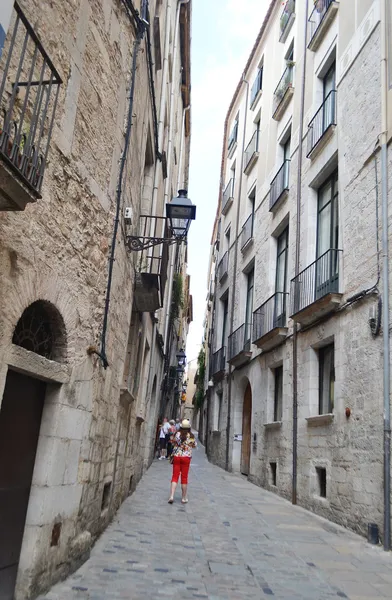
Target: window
252,200
106,495
290,54
257,85
281,278
326,379
278,393
322,481
329,83
327,238
249,307
225,318
233,134
227,236
286,149
219,398
273,473
286,163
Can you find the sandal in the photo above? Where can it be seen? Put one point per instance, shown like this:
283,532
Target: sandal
170,501
184,500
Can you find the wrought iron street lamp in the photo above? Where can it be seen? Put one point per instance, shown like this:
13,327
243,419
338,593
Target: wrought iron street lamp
181,357
179,214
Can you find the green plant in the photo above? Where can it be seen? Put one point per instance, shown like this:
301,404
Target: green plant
177,302
200,376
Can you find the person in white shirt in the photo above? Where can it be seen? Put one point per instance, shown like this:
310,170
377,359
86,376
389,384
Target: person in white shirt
164,434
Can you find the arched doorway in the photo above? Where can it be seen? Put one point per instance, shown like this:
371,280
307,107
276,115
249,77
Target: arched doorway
41,330
246,430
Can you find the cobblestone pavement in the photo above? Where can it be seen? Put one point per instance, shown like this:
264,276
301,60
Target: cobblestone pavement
232,541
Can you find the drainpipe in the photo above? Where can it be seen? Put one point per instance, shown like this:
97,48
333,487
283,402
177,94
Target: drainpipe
297,263
385,269
162,104
179,185
235,271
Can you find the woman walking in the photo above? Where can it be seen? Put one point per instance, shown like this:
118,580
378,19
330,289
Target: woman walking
183,444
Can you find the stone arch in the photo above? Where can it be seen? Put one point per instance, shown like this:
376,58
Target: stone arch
41,329
46,286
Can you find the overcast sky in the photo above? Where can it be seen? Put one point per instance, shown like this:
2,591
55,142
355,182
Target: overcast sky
223,33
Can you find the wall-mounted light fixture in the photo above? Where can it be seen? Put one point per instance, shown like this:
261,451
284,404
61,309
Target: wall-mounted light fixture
179,214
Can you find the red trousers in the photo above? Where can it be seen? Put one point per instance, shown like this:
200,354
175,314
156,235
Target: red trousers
181,465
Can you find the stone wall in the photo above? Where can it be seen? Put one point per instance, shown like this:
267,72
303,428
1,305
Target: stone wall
96,438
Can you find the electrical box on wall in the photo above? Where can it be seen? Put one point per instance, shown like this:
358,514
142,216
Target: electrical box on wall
128,215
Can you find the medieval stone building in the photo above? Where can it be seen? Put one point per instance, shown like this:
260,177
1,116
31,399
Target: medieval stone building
294,344
94,142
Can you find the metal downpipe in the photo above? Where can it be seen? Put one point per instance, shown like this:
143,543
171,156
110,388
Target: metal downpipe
385,275
297,263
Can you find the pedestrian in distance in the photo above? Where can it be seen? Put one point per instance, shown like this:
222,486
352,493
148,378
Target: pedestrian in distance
183,444
172,432
178,424
163,438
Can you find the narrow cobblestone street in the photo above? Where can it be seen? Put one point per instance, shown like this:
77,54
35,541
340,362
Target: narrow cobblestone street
233,540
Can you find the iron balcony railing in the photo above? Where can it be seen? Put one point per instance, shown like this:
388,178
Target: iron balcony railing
270,315
280,183
233,136
316,281
286,16
285,82
29,91
317,16
228,193
257,85
324,118
239,341
219,361
223,266
247,230
251,149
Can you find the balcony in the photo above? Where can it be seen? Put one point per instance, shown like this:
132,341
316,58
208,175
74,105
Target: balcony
269,322
320,21
284,92
223,267
29,91
232,144
322,126
287,18
218,364
151,267
255,92
280,186
315,291
247,233
228,196
251,153
239,343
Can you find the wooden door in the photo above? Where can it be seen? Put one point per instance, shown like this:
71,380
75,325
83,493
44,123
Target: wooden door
20,420
246,431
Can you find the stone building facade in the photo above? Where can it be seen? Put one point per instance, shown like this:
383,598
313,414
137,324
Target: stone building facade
295,348
94,141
